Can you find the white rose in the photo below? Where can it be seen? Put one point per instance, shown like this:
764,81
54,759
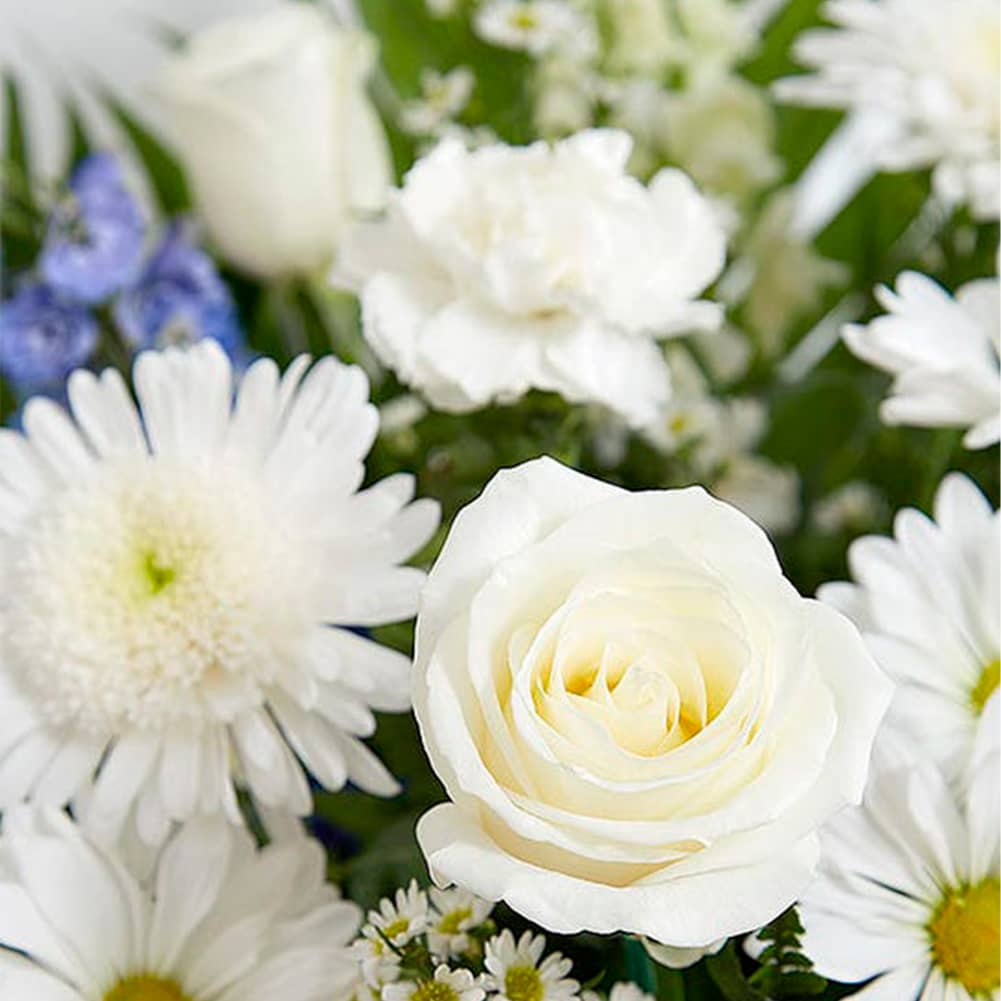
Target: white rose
280,142
639,721
505,269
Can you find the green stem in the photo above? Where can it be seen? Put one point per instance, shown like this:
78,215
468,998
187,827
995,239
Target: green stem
639,966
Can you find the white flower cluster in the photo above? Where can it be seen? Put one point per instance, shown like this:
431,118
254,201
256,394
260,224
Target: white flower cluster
443,946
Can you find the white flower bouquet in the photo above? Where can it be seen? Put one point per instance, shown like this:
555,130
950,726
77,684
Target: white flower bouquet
498,500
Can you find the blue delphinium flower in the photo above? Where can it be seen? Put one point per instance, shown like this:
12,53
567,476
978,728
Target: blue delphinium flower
43,337
178,299
94,243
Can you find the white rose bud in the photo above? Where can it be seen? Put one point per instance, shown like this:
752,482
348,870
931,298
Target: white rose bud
639,721
280,142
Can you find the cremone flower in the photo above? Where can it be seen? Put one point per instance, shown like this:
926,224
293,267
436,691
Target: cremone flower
908,890
173,580
217,920
545,267
930,74
943,353
927,604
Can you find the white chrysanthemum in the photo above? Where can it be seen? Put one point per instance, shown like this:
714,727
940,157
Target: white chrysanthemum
517,971
454,914
445,985
174,578
548,267
908,887
943,353
403,918
930,71
928,605
217,920
534,26
82,53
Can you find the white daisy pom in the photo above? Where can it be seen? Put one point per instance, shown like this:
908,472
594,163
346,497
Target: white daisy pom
927,604
908,888
176,581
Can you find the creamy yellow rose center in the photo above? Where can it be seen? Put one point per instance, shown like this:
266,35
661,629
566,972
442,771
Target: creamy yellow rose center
523,983
965,938
146,988
650,669
986,685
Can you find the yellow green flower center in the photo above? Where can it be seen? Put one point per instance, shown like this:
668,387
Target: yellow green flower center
524,20
398,927
144,988
523,983
155,574
434,990
965,937
986,685
450,923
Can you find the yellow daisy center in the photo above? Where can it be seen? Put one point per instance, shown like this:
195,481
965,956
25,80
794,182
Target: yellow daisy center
144,988
986,685
397,927
965,936
434,990
523,983
449,924
524,20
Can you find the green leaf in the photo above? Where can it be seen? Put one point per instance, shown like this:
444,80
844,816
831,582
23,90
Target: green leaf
724,968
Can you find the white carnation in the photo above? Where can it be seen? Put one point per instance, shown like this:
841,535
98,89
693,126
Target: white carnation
548,267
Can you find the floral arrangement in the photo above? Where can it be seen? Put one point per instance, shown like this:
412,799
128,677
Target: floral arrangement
498,500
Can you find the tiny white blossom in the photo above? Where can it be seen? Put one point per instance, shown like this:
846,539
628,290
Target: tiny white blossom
534,26
445,985
443,96
764,491
518,972
852,507
402,918
454,913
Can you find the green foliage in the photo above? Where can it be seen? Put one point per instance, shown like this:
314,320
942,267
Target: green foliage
785,972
